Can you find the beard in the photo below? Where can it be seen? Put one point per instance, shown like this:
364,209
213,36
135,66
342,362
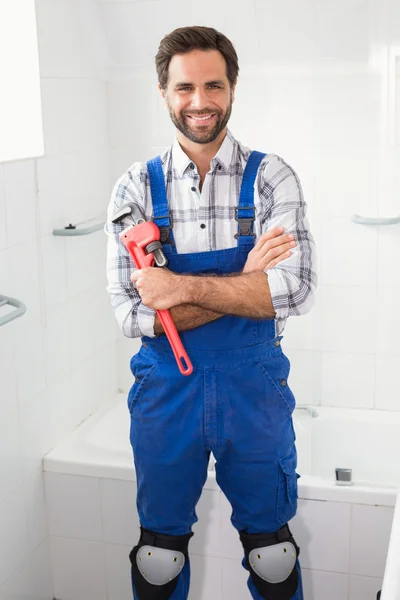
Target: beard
202,135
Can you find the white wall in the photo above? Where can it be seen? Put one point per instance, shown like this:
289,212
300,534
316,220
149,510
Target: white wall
58,362
317,86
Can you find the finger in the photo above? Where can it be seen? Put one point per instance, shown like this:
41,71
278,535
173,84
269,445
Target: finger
135,276
282,240
269,235
279,250
279,259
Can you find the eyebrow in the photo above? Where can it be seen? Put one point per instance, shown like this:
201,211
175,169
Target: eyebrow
215,82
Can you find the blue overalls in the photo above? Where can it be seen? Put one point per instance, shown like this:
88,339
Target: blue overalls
236,404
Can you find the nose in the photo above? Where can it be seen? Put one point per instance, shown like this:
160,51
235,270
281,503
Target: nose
199,99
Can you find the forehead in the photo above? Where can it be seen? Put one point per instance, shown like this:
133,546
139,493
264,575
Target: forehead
197,66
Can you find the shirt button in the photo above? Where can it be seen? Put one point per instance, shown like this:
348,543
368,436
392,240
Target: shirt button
219,167
283,383
193,189
191,165
203,226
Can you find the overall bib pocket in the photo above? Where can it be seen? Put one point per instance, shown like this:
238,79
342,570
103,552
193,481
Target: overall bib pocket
286,505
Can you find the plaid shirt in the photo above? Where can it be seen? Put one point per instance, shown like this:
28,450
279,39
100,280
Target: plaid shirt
278,201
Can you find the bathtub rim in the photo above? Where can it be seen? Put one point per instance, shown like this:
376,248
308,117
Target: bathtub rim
73,456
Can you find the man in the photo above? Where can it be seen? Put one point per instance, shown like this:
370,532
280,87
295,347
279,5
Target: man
232,280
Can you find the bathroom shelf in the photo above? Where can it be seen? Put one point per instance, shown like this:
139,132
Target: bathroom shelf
74,230
375,221
21,309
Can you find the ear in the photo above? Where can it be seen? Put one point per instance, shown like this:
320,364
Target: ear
162,92
233,92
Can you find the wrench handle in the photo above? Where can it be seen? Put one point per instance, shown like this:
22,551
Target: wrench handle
181,357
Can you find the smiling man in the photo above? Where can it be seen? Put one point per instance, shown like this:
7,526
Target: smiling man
241,261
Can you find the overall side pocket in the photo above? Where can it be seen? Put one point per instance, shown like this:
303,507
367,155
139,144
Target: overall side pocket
286,505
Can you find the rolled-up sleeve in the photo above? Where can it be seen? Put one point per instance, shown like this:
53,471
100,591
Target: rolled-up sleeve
133,317
293,281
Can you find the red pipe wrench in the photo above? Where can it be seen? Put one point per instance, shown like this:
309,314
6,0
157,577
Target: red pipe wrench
142,240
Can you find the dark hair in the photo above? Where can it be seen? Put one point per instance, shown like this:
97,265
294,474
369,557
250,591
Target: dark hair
185,39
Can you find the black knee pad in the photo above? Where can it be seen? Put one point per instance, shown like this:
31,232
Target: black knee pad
165,550
271,560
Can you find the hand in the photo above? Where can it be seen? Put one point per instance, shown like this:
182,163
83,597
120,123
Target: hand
271,249
159,289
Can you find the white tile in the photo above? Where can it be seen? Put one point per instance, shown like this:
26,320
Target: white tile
8,386
104,381
234,580
33,579
347,107
12,534
208,538
370,532
125,104
67,48
387,394
35,443
10,451
53,260
118,570
86,262
303,332
206,578
321,585
358,191
78,569
347,380
24,277
74,115
348,253
21,201
3,216
231,546
57,344
119,513
79,322
292,36
344,29
357,304
388,250
322,530
84,192
73,506
29,359
388,319
305,376
365,588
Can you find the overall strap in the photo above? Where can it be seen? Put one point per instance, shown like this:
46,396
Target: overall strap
245,211
162,217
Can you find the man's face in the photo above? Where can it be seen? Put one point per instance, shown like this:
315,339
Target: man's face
198,96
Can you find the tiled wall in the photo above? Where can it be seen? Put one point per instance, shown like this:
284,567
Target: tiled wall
319,85
58,362
93,522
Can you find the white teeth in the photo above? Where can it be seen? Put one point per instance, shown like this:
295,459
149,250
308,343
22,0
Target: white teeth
202,118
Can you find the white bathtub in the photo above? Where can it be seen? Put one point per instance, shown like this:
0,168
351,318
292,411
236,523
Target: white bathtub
343,531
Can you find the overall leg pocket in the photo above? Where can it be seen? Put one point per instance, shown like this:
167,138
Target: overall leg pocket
286,506
276,373
142,372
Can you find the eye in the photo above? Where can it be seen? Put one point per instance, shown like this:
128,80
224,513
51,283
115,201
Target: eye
185,88
214,86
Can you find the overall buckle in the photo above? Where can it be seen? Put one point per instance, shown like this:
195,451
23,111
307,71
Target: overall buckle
245,223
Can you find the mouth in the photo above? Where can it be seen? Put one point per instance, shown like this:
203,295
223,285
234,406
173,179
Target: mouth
201,119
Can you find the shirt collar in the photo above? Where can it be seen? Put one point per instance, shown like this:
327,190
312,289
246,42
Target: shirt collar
181,161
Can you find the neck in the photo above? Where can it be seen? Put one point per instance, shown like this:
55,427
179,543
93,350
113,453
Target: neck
201,154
